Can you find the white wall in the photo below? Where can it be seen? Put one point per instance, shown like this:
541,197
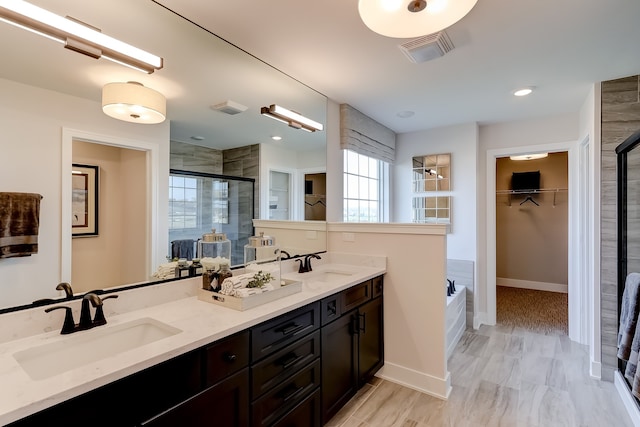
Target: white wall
32,120
555,129
282,159
462,142
414,297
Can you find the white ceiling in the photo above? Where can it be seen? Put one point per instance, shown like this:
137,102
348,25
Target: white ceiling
560,47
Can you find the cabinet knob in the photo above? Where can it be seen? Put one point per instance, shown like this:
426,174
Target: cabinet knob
230,357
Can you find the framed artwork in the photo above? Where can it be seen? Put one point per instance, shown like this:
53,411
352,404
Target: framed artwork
84,205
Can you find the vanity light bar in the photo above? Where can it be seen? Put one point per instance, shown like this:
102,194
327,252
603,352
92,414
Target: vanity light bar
291,118
77,36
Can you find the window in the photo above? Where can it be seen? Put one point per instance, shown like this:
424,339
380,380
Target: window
196,202
364,188
183,202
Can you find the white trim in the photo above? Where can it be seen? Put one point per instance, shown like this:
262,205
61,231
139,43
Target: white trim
575,290
627,398
529,284
153,182
437,387
595,343
393,228
290,225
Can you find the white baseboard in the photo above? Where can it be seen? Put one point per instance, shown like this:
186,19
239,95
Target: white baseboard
480,319
528,284
595,369
416,380
627,398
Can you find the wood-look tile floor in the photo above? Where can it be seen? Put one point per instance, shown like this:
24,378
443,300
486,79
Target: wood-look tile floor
501,376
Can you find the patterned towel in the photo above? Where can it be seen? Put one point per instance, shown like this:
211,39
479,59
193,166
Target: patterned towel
629,316
19,223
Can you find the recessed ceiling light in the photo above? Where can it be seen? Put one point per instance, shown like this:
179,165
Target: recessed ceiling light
276,138
523,92
198,138
405,114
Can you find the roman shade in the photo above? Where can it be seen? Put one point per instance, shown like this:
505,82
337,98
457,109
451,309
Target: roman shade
365,136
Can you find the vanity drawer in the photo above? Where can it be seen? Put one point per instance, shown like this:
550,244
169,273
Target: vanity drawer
225,357
277,333
282,364
279,401
356,295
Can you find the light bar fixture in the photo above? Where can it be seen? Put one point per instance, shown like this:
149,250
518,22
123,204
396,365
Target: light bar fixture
291,118
76,35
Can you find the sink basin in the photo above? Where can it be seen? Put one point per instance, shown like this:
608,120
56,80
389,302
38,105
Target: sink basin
85,347
328,276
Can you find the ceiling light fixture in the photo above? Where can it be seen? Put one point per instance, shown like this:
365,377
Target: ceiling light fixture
291,118
276,138
133,102
412,18
523,92
76,35
529,156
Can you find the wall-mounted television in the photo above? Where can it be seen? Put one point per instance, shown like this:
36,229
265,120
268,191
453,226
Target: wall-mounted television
525,181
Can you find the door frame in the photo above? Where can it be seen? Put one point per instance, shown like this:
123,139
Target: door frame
577,317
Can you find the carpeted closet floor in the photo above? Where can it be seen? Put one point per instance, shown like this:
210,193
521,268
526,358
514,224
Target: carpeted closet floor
538,311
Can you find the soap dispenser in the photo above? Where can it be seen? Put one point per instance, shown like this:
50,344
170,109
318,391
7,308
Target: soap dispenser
262,254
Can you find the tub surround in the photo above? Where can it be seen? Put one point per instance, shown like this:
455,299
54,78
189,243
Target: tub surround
174,303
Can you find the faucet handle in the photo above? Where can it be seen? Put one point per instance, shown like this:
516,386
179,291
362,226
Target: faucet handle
69,324
85,314
98,318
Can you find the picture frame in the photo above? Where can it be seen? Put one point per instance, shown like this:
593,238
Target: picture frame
84,204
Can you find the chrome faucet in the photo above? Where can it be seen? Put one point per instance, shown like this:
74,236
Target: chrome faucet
69,326
305,266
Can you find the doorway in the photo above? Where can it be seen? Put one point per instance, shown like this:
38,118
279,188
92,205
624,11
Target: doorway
532,242
315,196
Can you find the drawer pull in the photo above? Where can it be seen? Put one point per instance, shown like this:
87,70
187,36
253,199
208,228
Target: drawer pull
230,357
290,328
362,322
288,360
290,392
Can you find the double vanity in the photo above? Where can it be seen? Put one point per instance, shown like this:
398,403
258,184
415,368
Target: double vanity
167,358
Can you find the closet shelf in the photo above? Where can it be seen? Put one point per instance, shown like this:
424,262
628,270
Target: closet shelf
529,193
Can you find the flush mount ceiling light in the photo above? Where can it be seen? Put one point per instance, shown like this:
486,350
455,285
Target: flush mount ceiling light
290,118
133,102
523,92
529,156
76,35
412,18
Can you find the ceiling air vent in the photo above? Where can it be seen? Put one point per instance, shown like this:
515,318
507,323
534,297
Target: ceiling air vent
229,107
427,47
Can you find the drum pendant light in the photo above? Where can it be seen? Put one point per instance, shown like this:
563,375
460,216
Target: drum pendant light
133,102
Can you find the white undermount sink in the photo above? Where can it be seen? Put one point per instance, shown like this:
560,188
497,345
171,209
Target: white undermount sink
84,347
327,275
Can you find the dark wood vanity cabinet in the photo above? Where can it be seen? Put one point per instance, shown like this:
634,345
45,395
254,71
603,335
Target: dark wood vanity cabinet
295,370
352,343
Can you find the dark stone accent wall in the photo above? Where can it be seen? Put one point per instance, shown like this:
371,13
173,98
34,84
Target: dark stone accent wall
620,119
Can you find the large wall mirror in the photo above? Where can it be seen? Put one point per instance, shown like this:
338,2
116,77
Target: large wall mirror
200,71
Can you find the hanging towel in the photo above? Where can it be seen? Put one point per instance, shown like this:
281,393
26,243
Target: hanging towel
629,316
19,222
182,249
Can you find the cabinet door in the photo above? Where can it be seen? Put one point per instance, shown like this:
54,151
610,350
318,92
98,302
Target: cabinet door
225,404
339,365
370,339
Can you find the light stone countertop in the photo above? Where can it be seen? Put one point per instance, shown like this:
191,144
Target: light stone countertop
200,322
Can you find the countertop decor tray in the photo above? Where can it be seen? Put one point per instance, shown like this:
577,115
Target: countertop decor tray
288,287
